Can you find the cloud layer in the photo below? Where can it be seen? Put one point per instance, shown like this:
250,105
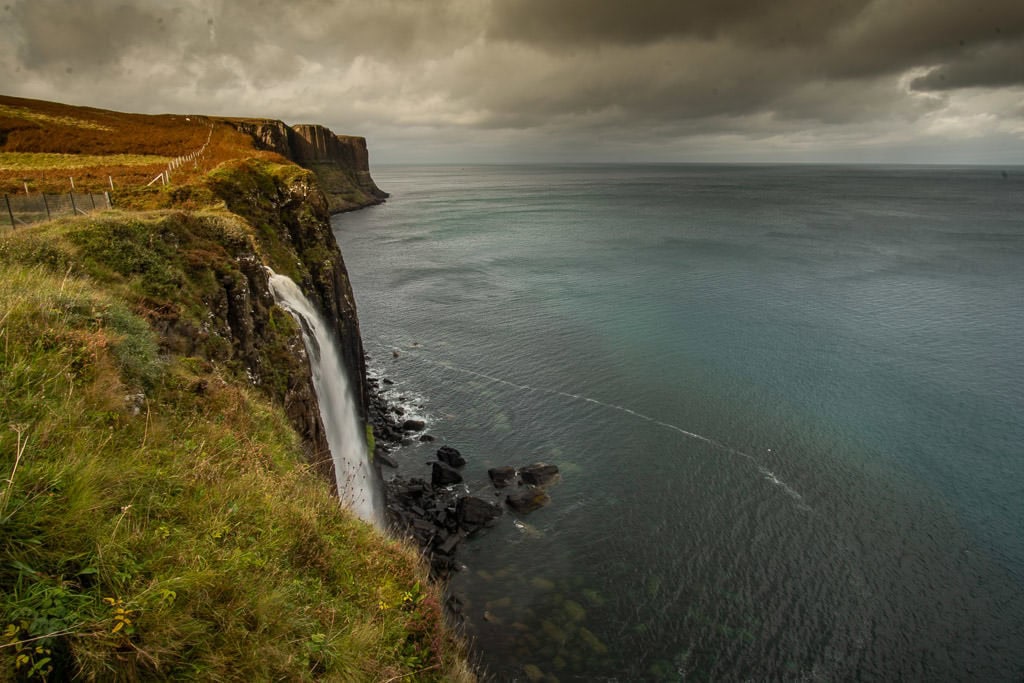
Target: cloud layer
449,80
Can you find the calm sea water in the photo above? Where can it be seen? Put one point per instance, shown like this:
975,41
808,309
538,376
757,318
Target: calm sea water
786,403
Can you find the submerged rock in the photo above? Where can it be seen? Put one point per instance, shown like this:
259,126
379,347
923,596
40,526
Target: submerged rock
527,499
592,641
539,474
574,610
533,673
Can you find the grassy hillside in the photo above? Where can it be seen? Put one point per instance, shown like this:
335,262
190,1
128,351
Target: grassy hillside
159,515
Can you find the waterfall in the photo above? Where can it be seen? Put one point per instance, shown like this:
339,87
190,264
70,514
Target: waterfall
358,482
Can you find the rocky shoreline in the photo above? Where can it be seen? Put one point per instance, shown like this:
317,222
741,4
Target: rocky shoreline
440,514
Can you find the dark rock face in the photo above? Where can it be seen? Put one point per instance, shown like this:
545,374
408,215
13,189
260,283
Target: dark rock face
527,499
413,425
341,162
539,474
267,134
502,476
444,475
450,456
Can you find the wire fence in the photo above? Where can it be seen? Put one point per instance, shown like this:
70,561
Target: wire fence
165,176
22,211
25,210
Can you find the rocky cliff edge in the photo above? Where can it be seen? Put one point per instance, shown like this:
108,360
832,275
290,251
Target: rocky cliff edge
341,162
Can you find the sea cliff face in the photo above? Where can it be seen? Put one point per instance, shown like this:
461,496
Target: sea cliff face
341,162
293,233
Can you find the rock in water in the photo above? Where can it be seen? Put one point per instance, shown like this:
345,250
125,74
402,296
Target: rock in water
502,476
475,512
413,425
444,475
539,474
450,456
527,499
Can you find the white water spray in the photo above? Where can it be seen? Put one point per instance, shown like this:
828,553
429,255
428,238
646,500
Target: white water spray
357,481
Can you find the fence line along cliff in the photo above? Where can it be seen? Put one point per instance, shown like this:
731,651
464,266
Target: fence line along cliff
23,211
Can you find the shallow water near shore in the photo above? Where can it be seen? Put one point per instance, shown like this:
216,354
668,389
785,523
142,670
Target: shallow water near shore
785,401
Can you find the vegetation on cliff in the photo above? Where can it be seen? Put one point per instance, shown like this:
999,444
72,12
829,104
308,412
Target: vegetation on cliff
165,503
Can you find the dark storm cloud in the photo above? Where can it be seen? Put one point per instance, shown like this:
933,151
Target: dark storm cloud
842,38
573,23
992,66
653,72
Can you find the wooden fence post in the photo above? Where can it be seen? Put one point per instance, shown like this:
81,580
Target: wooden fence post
47,205
74,208
9,212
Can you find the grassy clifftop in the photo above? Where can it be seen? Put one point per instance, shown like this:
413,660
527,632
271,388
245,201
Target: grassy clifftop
161,516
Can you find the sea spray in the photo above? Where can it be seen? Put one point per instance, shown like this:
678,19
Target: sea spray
358,483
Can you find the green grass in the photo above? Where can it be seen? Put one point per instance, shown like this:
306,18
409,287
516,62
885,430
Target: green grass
31,161
28,114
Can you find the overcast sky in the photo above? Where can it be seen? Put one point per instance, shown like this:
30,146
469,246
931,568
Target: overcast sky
933,81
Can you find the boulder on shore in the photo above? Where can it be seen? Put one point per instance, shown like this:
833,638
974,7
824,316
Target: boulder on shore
413,425
473,512
444,475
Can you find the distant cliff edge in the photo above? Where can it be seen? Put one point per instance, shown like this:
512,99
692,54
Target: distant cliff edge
341,162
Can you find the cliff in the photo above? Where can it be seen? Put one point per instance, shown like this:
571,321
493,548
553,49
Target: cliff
167,509
341,162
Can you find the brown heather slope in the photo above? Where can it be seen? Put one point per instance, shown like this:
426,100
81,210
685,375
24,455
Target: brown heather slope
49,128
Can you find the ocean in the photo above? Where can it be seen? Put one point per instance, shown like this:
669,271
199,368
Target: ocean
787,403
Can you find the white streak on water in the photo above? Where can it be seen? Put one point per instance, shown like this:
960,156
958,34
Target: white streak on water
358,488
764,471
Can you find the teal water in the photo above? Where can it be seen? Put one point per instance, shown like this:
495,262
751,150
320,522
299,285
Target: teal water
785,400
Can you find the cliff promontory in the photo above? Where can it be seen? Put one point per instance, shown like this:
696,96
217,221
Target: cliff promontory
341,162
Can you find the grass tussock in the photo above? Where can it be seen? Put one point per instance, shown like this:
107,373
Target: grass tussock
158,520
